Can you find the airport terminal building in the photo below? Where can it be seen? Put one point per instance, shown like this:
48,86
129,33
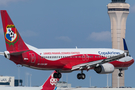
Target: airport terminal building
10,81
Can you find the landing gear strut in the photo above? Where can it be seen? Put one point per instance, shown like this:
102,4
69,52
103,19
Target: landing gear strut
81,75
57,75
120,74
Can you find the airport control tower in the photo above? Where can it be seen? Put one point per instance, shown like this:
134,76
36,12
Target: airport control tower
118,11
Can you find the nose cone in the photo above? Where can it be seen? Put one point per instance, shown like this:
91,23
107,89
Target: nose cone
132,61
129,62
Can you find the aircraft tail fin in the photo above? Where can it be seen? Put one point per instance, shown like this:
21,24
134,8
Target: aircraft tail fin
125,45
50,83
12,37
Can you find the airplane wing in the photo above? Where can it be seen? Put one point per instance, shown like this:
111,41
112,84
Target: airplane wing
97,63
93,64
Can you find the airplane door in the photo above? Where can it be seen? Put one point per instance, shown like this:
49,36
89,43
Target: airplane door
26,58
83,57
32,57
87,57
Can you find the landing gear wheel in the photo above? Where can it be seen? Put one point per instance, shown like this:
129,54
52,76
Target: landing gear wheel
83,76
79,76
120,74
57,75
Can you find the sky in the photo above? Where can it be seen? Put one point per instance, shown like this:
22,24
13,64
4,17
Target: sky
64,24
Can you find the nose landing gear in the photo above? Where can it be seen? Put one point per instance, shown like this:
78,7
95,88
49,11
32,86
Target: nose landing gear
120,74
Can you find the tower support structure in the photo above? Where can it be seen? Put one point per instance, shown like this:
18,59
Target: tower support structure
118,11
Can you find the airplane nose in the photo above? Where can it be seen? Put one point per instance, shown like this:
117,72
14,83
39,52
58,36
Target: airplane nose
129,63
132,61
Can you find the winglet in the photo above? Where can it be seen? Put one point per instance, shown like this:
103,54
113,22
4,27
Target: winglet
125,45
50,83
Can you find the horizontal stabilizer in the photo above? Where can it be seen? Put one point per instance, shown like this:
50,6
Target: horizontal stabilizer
18,53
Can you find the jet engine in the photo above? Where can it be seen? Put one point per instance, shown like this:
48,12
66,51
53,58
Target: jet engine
104,68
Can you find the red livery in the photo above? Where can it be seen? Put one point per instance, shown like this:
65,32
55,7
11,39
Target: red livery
102,60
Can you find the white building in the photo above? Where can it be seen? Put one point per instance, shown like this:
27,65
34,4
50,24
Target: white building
118,11
6,81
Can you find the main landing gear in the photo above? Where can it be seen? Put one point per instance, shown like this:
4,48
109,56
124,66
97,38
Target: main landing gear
81,75
57,75
120,74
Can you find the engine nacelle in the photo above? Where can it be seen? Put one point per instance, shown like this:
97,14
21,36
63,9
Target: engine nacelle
7,54
104,68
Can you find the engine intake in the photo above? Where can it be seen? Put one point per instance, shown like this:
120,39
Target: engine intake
104,68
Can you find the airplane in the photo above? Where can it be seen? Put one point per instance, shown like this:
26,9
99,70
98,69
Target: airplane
48,85
63,60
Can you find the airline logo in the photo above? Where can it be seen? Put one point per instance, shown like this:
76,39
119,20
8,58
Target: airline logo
11,35
107,53
53,81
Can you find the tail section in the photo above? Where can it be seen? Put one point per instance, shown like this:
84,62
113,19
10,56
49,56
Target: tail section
12,37
125,48
125,45
50,83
